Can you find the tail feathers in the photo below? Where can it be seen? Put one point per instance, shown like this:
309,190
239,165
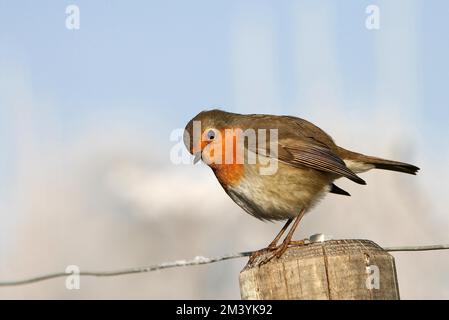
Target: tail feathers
366,162
394,166
337,190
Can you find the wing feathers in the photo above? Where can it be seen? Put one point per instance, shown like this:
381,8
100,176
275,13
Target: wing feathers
319,158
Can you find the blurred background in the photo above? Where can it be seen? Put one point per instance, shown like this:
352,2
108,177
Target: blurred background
86,117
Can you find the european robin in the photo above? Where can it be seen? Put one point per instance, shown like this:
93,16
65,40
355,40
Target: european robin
276,167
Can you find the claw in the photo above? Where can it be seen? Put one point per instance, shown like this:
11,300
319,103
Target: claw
277,252
258,253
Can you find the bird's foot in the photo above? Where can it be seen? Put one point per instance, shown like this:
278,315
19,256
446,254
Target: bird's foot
278,251
256,254
274,253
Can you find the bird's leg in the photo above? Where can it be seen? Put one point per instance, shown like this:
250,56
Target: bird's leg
279,251
273,244
283,247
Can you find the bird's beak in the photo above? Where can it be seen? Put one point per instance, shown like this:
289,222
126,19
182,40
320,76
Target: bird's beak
197,157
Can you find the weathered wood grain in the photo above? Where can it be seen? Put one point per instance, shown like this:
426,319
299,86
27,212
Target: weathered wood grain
335,270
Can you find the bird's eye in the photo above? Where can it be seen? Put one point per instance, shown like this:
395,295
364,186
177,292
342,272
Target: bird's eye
211,135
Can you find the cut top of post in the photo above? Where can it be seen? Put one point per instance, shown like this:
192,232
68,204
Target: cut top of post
334,269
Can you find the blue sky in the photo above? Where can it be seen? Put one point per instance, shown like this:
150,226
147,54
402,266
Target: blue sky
175,55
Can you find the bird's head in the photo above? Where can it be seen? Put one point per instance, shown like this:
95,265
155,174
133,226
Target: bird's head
204,134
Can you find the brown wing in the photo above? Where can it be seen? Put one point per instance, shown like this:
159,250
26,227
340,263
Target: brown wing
310,153
301,143
316,156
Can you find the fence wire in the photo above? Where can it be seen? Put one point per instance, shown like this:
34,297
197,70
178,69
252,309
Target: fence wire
199,260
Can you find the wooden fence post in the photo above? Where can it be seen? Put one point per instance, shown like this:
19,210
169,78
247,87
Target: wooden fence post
333,270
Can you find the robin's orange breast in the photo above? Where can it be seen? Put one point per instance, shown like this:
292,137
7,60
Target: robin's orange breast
229,171
229,174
